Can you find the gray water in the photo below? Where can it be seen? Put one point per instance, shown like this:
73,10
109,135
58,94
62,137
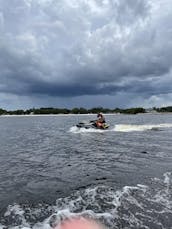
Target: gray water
50,170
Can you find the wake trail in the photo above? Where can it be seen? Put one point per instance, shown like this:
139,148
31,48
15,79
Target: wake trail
123,128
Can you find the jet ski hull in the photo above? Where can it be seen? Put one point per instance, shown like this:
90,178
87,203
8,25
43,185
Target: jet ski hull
92,125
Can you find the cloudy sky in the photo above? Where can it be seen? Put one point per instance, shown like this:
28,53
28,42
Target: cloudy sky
67,53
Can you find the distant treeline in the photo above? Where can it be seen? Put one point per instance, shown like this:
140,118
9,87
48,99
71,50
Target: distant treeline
163,109
81,110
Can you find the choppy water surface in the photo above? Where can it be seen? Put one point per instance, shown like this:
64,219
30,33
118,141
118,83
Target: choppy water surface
50,170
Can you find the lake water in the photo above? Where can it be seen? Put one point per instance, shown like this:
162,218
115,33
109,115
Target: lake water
50,170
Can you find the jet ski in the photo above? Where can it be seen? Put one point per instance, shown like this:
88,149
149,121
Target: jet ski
92,124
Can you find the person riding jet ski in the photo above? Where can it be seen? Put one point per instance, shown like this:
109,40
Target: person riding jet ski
100,121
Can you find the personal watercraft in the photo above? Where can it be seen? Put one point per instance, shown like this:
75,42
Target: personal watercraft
92,124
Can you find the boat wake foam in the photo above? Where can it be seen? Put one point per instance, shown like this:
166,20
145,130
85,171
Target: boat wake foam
77,130
130,128
140,206
123,128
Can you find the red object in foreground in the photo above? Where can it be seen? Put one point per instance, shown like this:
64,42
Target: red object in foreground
79,223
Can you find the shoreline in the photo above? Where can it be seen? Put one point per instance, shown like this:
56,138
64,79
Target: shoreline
109,114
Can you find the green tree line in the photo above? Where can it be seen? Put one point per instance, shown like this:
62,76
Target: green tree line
81,110
163,109
75,110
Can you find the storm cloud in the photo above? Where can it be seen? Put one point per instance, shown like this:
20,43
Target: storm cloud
79,50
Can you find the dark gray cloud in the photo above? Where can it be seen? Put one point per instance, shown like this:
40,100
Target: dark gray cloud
77,49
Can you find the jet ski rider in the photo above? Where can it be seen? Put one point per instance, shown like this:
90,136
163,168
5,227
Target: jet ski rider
101,120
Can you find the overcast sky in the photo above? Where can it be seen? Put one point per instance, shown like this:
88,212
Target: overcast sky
67,53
